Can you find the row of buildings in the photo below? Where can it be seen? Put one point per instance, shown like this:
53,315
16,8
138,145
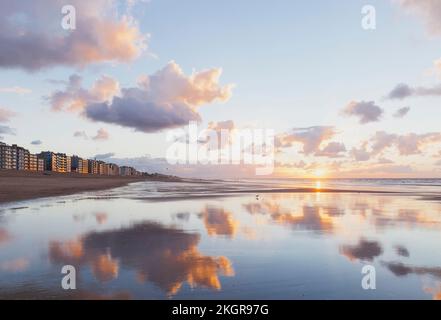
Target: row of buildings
18,158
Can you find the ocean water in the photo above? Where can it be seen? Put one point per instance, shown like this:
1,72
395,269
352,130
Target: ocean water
254,239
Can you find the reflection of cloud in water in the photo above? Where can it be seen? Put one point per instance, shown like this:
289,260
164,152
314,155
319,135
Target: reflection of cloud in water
101,217
364,250
217,221
17,265
165,256
400,269
435,292
381,211
4,236
402,251
314,218
105,268
182,216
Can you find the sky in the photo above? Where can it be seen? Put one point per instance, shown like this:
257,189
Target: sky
342,100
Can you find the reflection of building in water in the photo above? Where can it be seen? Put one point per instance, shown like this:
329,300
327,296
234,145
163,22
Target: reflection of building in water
217,221
165,256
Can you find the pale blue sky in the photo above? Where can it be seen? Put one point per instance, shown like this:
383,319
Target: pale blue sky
294,64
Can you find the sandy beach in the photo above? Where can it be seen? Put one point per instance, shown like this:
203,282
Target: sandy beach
23,185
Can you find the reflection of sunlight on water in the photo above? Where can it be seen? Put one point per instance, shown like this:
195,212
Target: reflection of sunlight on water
318,187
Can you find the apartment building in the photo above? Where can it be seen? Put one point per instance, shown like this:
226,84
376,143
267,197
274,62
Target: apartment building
22,157
8,157
79,165
40,164
33,162
93,167
57,162
19,158
128,171
113,169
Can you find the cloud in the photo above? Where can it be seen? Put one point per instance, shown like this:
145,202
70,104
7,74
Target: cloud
225,134
6,115
385,161
332,150
402,112
75,98
366,111
360,154
166,99
402,91
427,10
37,142
382,140
80,134
104,156
32,38
6,130
406,144
101,135
412,143
15,89
311,138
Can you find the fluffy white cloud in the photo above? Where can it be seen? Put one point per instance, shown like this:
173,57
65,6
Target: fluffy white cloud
365,111
311,138
166,99
31,36
75,98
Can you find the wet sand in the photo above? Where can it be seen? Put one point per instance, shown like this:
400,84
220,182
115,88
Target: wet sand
22,185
